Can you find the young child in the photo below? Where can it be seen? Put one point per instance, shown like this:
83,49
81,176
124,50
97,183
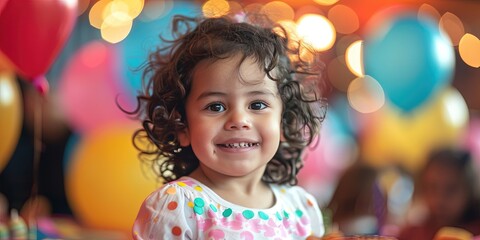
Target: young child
229,114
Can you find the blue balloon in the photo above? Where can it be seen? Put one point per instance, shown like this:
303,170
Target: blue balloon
145,37
411,58
348,123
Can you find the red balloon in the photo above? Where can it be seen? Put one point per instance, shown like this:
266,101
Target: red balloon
34,31
2,4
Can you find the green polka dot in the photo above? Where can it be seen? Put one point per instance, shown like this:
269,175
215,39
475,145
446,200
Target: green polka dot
263,215
285,214
299,213
227,212
199,202
279,217
213,208
248,214
198,210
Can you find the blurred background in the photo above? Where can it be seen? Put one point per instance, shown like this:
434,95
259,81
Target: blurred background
401,79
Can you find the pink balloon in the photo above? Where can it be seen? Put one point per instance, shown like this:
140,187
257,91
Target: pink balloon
89,86
327,157
34,31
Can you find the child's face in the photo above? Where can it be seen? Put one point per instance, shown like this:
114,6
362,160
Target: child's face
445,193
233,117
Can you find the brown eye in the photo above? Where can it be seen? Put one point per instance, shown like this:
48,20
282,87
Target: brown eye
258,106
216,107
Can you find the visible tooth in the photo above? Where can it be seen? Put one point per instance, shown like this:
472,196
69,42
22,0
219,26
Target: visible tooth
241,145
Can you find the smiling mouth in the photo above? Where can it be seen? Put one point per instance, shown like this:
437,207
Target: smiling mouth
239,145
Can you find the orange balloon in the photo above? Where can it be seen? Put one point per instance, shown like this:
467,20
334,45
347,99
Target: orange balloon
11,116
406,139
105,181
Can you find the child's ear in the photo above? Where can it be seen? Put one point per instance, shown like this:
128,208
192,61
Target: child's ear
184,137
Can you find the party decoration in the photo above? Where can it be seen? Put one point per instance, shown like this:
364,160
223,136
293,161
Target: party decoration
410,57
393,137
33,32
89,87
2,5
144,37
11,116
105,182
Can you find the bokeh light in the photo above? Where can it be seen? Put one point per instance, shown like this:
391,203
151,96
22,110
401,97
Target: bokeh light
96,13
116,27
235,7
399,187
456,110
6,90
278,10
326,2
469,49
338,73
253,8
429,11
115,18
353,58
317,31
291,28
365,94
308,9
453,26
344,19
344,42
155,9
132,7
215,8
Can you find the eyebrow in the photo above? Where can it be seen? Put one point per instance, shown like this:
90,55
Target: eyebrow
222,94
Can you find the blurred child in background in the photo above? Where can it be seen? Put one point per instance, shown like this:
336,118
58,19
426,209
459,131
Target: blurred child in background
449,189
358,206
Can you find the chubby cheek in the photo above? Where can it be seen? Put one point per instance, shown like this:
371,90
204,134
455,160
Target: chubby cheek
272,135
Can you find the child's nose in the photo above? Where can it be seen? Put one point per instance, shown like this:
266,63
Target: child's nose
237,120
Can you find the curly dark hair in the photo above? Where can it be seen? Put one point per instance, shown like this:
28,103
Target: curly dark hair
168,77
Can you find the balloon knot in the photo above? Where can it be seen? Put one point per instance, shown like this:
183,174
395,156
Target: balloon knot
41,85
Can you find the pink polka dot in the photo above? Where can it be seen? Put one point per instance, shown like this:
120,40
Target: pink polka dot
304,220
301,230
211,213
216,234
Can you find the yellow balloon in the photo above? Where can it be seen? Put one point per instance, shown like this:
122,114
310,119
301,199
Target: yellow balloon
105,181
407,139
10,116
